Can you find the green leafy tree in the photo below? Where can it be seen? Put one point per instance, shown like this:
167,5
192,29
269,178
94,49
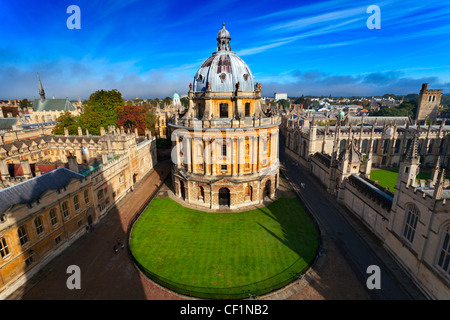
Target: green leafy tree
284,103
184,102
66,120
150,119
101,110
25,103
166,101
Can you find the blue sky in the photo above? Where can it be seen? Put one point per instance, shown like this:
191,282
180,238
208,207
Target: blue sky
151,49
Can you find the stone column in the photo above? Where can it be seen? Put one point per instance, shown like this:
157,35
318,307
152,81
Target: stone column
213,154
254,154
241,159
234,160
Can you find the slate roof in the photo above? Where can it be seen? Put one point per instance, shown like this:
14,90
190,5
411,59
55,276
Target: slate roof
53,105
368,188
32,189
7,123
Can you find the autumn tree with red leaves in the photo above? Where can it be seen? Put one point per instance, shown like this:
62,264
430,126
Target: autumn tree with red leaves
132,117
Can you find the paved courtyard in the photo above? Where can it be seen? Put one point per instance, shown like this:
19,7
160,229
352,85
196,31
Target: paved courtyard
106,275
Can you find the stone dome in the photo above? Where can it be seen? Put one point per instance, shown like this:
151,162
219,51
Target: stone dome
224,69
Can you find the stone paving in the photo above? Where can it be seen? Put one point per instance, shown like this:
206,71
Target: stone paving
109,276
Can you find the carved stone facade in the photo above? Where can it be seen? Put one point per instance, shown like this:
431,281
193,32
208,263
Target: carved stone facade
225,148
41,214
414,222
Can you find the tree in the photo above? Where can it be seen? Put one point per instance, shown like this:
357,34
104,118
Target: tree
25,103
150,119
131,118
66,121
101,110
167,101
284,103
185,102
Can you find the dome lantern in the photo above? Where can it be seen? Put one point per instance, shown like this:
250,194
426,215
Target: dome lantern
223,39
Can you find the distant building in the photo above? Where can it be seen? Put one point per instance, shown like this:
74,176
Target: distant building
280,96
49,109
428,104
176,100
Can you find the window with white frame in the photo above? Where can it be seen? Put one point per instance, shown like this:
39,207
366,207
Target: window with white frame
38,225
22,233
4,251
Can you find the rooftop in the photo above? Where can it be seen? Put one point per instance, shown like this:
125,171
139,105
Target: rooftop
32,189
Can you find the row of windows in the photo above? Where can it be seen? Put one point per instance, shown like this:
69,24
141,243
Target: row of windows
385,147
38,225
223,110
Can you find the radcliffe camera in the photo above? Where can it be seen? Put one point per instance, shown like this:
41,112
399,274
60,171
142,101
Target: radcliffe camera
224,156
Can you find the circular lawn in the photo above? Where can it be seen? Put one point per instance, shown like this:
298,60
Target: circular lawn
229,255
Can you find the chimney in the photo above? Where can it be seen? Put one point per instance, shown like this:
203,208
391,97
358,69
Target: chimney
66,132
73,164
102,131
26,169
4,169
80,132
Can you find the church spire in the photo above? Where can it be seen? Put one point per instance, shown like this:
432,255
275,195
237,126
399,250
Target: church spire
41,89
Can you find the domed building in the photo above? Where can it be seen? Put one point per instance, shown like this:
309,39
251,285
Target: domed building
225,146
176,102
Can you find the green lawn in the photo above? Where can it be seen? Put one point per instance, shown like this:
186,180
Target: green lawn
224,255
388,177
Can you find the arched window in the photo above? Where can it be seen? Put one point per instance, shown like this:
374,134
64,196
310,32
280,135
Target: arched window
201,194
412,216
430,146
341,146
386,146
375,146
364,146
444,254
65,209
397,145
86,196
296,142
248,193
4,251
76,203
22,233
53,217
38,225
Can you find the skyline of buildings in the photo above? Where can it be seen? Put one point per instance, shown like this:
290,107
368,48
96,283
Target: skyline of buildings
305,48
